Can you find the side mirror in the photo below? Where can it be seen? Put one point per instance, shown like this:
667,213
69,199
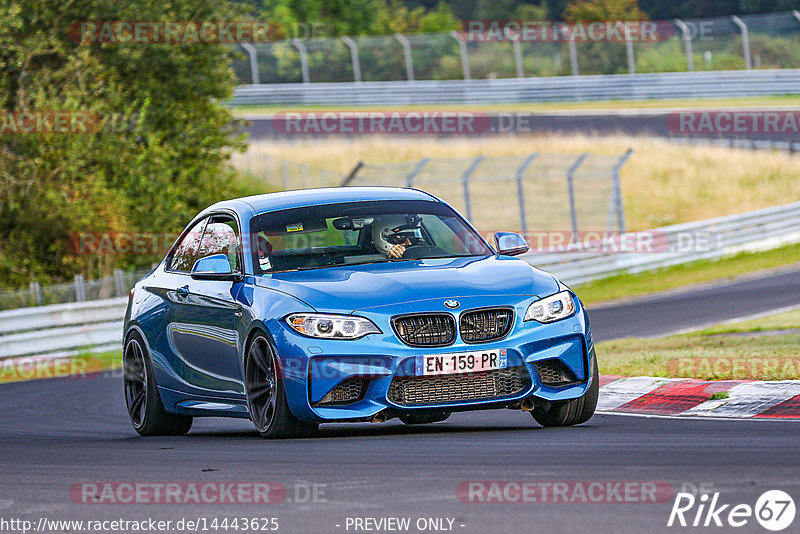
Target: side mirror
214,267
510,244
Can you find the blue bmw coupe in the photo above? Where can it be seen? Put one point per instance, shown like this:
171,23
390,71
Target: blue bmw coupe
350,304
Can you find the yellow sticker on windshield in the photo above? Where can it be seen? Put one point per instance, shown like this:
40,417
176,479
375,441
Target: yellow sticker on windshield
294,227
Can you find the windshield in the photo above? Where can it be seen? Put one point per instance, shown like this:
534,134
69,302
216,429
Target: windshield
356,233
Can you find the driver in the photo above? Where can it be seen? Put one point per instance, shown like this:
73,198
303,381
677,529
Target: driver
393,234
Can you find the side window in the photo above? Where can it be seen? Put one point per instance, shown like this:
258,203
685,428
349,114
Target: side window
221,237
186,251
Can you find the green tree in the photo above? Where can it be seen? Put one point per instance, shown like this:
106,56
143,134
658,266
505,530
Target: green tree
150,171
603,57
355,17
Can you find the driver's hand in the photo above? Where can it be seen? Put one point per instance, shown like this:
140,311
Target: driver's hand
397,251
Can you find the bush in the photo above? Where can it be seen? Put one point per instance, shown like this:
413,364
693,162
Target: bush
149,172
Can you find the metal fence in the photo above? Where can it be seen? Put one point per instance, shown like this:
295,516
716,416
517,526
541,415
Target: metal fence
770,41
78,290
558,192
667,85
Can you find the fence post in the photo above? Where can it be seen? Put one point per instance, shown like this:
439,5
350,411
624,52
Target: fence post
36,291
351,44
119,282
518,57
351,176
407,54
285,175
618,191
629,49
573,55
687,39
415,171
301,48
745,41
266,168
465,182
521,191
462,46
251,51
80,288
573,214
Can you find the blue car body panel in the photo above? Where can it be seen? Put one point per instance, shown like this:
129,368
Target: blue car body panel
197,337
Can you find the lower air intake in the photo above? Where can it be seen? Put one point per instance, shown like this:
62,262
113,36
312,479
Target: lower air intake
421,390
349,391
554,373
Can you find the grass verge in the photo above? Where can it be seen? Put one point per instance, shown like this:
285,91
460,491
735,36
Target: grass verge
631,285
741,351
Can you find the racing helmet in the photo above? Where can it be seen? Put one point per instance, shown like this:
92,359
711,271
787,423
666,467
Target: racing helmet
391,230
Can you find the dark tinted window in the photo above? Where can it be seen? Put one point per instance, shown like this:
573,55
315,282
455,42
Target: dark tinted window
186,251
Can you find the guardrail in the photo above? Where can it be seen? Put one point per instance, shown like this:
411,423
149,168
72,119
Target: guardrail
61,329
666,85
97,325
741,232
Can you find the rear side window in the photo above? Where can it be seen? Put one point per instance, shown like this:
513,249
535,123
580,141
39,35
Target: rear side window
186,251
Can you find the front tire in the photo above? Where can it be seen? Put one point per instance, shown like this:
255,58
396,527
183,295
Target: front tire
266,394
571,412
145,410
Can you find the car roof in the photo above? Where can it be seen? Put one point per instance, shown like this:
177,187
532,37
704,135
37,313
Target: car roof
330,195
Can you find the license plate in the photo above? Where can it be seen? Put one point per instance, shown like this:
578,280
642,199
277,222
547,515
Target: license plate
461,362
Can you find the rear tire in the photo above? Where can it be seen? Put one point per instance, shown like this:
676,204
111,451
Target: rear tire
266,395
572,412
423,418
145,410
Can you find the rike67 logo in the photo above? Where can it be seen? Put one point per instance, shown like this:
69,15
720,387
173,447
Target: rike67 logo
774,510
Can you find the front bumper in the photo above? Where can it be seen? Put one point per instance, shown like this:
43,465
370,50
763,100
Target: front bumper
314,367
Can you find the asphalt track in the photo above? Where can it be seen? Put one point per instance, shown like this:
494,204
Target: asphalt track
58,433
696,307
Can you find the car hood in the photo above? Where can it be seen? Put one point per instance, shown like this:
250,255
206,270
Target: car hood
345,289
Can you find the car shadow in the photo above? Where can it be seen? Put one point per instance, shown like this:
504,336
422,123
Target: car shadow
344,430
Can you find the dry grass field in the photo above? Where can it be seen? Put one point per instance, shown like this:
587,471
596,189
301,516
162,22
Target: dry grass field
663,183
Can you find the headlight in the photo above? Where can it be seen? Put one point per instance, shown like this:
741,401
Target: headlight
331,326
552,308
